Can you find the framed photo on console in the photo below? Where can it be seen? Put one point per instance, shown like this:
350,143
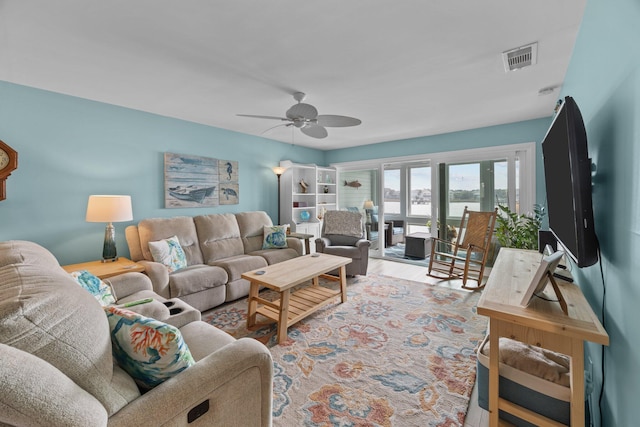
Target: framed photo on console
544,274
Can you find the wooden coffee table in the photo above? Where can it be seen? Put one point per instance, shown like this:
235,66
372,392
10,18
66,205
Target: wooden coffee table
292,307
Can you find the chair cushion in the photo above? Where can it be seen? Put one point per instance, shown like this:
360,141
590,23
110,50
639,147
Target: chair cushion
204,340
274,256
352,252
147,349
219,236
237,265
36,393
196,278
251,225
341,240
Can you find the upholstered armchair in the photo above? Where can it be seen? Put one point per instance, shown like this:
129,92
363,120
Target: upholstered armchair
343,235
394,230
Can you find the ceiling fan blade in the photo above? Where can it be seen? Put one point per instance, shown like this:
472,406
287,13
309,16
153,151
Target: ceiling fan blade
302,111
314,131
333,121
262,117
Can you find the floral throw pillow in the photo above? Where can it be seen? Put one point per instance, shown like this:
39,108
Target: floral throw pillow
275,237
147,349
169,252
96,287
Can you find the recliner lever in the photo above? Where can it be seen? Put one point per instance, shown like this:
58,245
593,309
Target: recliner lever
198,411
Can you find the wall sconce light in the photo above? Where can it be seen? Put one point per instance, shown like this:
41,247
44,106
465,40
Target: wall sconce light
279,170
109,209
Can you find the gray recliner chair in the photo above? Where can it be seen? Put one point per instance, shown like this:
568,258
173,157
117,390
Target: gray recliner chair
343,235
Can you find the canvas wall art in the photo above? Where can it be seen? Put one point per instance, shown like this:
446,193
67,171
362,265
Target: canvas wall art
229,188
196,181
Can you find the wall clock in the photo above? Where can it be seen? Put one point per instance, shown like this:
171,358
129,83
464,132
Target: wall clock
8,163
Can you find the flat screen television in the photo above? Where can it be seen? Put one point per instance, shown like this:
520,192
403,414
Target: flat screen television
567,173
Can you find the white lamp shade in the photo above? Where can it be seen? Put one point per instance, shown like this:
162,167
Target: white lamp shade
109,209
279,170
368,204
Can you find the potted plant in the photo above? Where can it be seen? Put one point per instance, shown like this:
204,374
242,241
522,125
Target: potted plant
515,230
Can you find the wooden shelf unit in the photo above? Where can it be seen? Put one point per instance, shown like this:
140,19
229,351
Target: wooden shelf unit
302,303
542,323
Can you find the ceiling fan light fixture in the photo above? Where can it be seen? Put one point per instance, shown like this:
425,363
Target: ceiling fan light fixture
305,117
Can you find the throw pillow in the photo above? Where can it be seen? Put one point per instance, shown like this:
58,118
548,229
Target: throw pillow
275,237
147,349
169,252
96,287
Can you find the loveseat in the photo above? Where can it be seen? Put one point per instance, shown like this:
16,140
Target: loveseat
58,369
218,249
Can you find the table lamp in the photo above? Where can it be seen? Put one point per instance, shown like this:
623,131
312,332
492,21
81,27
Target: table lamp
109,209
368,204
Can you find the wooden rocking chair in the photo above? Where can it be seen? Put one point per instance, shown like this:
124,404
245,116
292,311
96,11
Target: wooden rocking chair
466,257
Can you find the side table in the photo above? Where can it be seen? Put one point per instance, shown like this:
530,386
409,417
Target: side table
104,270
417,245
305,237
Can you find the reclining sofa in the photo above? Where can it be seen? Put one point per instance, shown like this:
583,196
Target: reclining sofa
218,249
58,369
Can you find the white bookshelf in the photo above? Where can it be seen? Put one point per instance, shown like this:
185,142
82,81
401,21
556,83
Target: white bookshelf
320,196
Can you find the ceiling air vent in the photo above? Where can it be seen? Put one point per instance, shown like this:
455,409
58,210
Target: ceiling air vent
520,57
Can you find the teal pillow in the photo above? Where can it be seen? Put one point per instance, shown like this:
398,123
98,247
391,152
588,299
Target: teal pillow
275,237
169,252
147,349
96,287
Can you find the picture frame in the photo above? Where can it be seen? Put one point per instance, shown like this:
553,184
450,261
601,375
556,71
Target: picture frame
199,182
543,275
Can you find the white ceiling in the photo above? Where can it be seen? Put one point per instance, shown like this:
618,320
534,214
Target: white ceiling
405,68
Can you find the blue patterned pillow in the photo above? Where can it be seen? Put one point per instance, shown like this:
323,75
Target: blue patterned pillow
169,252
147,349
96,287
275,237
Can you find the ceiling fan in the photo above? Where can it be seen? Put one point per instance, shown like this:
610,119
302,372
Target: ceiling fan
306,118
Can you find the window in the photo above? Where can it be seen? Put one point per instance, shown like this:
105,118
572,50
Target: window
416,189
392,196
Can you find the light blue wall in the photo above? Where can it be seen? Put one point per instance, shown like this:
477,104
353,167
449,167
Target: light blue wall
69,148
604,79
513,133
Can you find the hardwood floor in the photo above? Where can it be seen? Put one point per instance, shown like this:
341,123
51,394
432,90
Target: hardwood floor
476,416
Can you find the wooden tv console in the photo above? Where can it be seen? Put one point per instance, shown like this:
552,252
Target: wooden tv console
542,323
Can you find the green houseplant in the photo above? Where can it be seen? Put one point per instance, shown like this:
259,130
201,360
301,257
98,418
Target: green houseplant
515,230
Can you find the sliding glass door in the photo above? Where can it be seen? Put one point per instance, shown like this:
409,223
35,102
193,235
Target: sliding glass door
358,191
411,192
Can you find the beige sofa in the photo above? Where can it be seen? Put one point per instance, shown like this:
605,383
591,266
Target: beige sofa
58,370
218,248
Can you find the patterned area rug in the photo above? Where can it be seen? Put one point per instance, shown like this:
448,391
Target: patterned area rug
397,353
